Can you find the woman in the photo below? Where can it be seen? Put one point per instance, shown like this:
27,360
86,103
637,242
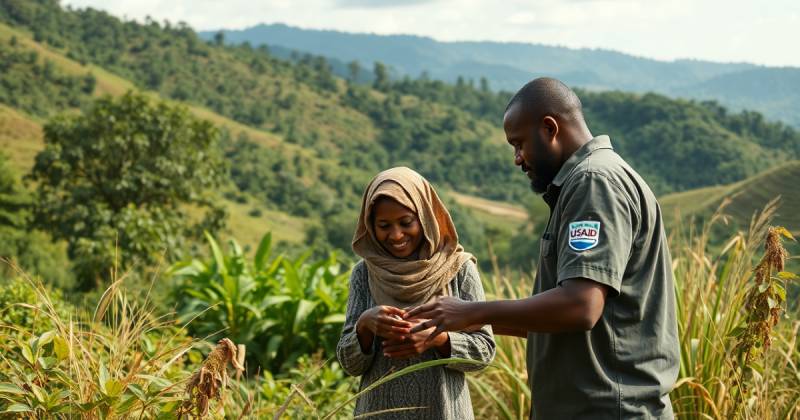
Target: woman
411,255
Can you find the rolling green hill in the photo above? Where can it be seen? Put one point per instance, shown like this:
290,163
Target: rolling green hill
21,137
301,142
746,198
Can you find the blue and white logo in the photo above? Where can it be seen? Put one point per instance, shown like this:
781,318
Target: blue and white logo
584,235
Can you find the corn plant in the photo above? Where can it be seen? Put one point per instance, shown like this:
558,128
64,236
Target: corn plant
279,308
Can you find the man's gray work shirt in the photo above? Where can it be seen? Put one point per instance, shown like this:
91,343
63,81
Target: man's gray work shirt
605,225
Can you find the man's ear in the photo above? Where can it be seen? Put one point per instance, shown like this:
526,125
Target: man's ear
550,126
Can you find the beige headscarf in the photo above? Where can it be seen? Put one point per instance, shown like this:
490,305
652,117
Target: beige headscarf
405,282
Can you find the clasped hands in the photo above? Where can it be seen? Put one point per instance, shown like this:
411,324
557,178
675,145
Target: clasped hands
409,333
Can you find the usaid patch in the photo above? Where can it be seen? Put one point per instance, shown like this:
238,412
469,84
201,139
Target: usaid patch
584,235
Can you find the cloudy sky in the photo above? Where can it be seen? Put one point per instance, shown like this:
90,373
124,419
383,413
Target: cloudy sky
762,32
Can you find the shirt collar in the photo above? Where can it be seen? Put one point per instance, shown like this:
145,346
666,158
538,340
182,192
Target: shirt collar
599,142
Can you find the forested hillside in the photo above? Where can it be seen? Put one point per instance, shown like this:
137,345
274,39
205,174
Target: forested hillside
506,65
303,142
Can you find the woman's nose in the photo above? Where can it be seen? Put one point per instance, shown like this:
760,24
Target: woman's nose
396,234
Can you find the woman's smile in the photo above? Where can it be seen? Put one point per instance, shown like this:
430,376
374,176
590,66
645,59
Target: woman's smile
399,246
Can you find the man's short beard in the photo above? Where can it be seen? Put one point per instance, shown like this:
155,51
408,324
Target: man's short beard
543,171
539,185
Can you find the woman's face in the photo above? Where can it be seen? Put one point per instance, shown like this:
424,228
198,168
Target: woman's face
396,227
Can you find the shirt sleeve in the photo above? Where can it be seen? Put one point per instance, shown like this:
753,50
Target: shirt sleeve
596,231
348,351
476,345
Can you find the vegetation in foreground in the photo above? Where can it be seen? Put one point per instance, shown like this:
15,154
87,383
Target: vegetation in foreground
125,358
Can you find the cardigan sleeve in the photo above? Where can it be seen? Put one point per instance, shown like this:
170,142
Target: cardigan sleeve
348,351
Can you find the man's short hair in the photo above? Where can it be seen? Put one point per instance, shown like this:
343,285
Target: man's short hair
547,96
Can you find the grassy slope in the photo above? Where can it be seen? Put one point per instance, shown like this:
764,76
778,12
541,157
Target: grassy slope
21,137
747,197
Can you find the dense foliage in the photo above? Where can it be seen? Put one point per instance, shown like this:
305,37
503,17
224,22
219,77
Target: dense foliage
22,248
280,309
37,86
116,182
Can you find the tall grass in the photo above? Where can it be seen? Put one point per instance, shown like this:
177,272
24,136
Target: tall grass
739,350
501,391
122,361
714,315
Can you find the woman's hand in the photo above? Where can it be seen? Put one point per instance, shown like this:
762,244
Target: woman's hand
384,321
417,343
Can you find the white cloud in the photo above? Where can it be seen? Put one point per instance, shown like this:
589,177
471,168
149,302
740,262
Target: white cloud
719,30
380,3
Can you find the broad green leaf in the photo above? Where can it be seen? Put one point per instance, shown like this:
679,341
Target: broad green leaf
262,253
787,275
45,339
276,263
218,256
18,408
9,388
304,308
114,388
252,309
155,381
231,285
292,279
190,269
274,300
27,353
60,347
780,291
47,362
236,250
167,410
126,403
56,398
39,393
334,319
103,377
137,390
302,258
263,325
323,294
273,345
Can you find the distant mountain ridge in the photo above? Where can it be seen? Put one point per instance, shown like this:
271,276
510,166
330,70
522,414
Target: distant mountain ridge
507,66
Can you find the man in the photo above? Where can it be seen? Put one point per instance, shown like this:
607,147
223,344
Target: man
601,329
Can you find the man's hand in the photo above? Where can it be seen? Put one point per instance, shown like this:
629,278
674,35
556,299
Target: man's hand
445,314
416,343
